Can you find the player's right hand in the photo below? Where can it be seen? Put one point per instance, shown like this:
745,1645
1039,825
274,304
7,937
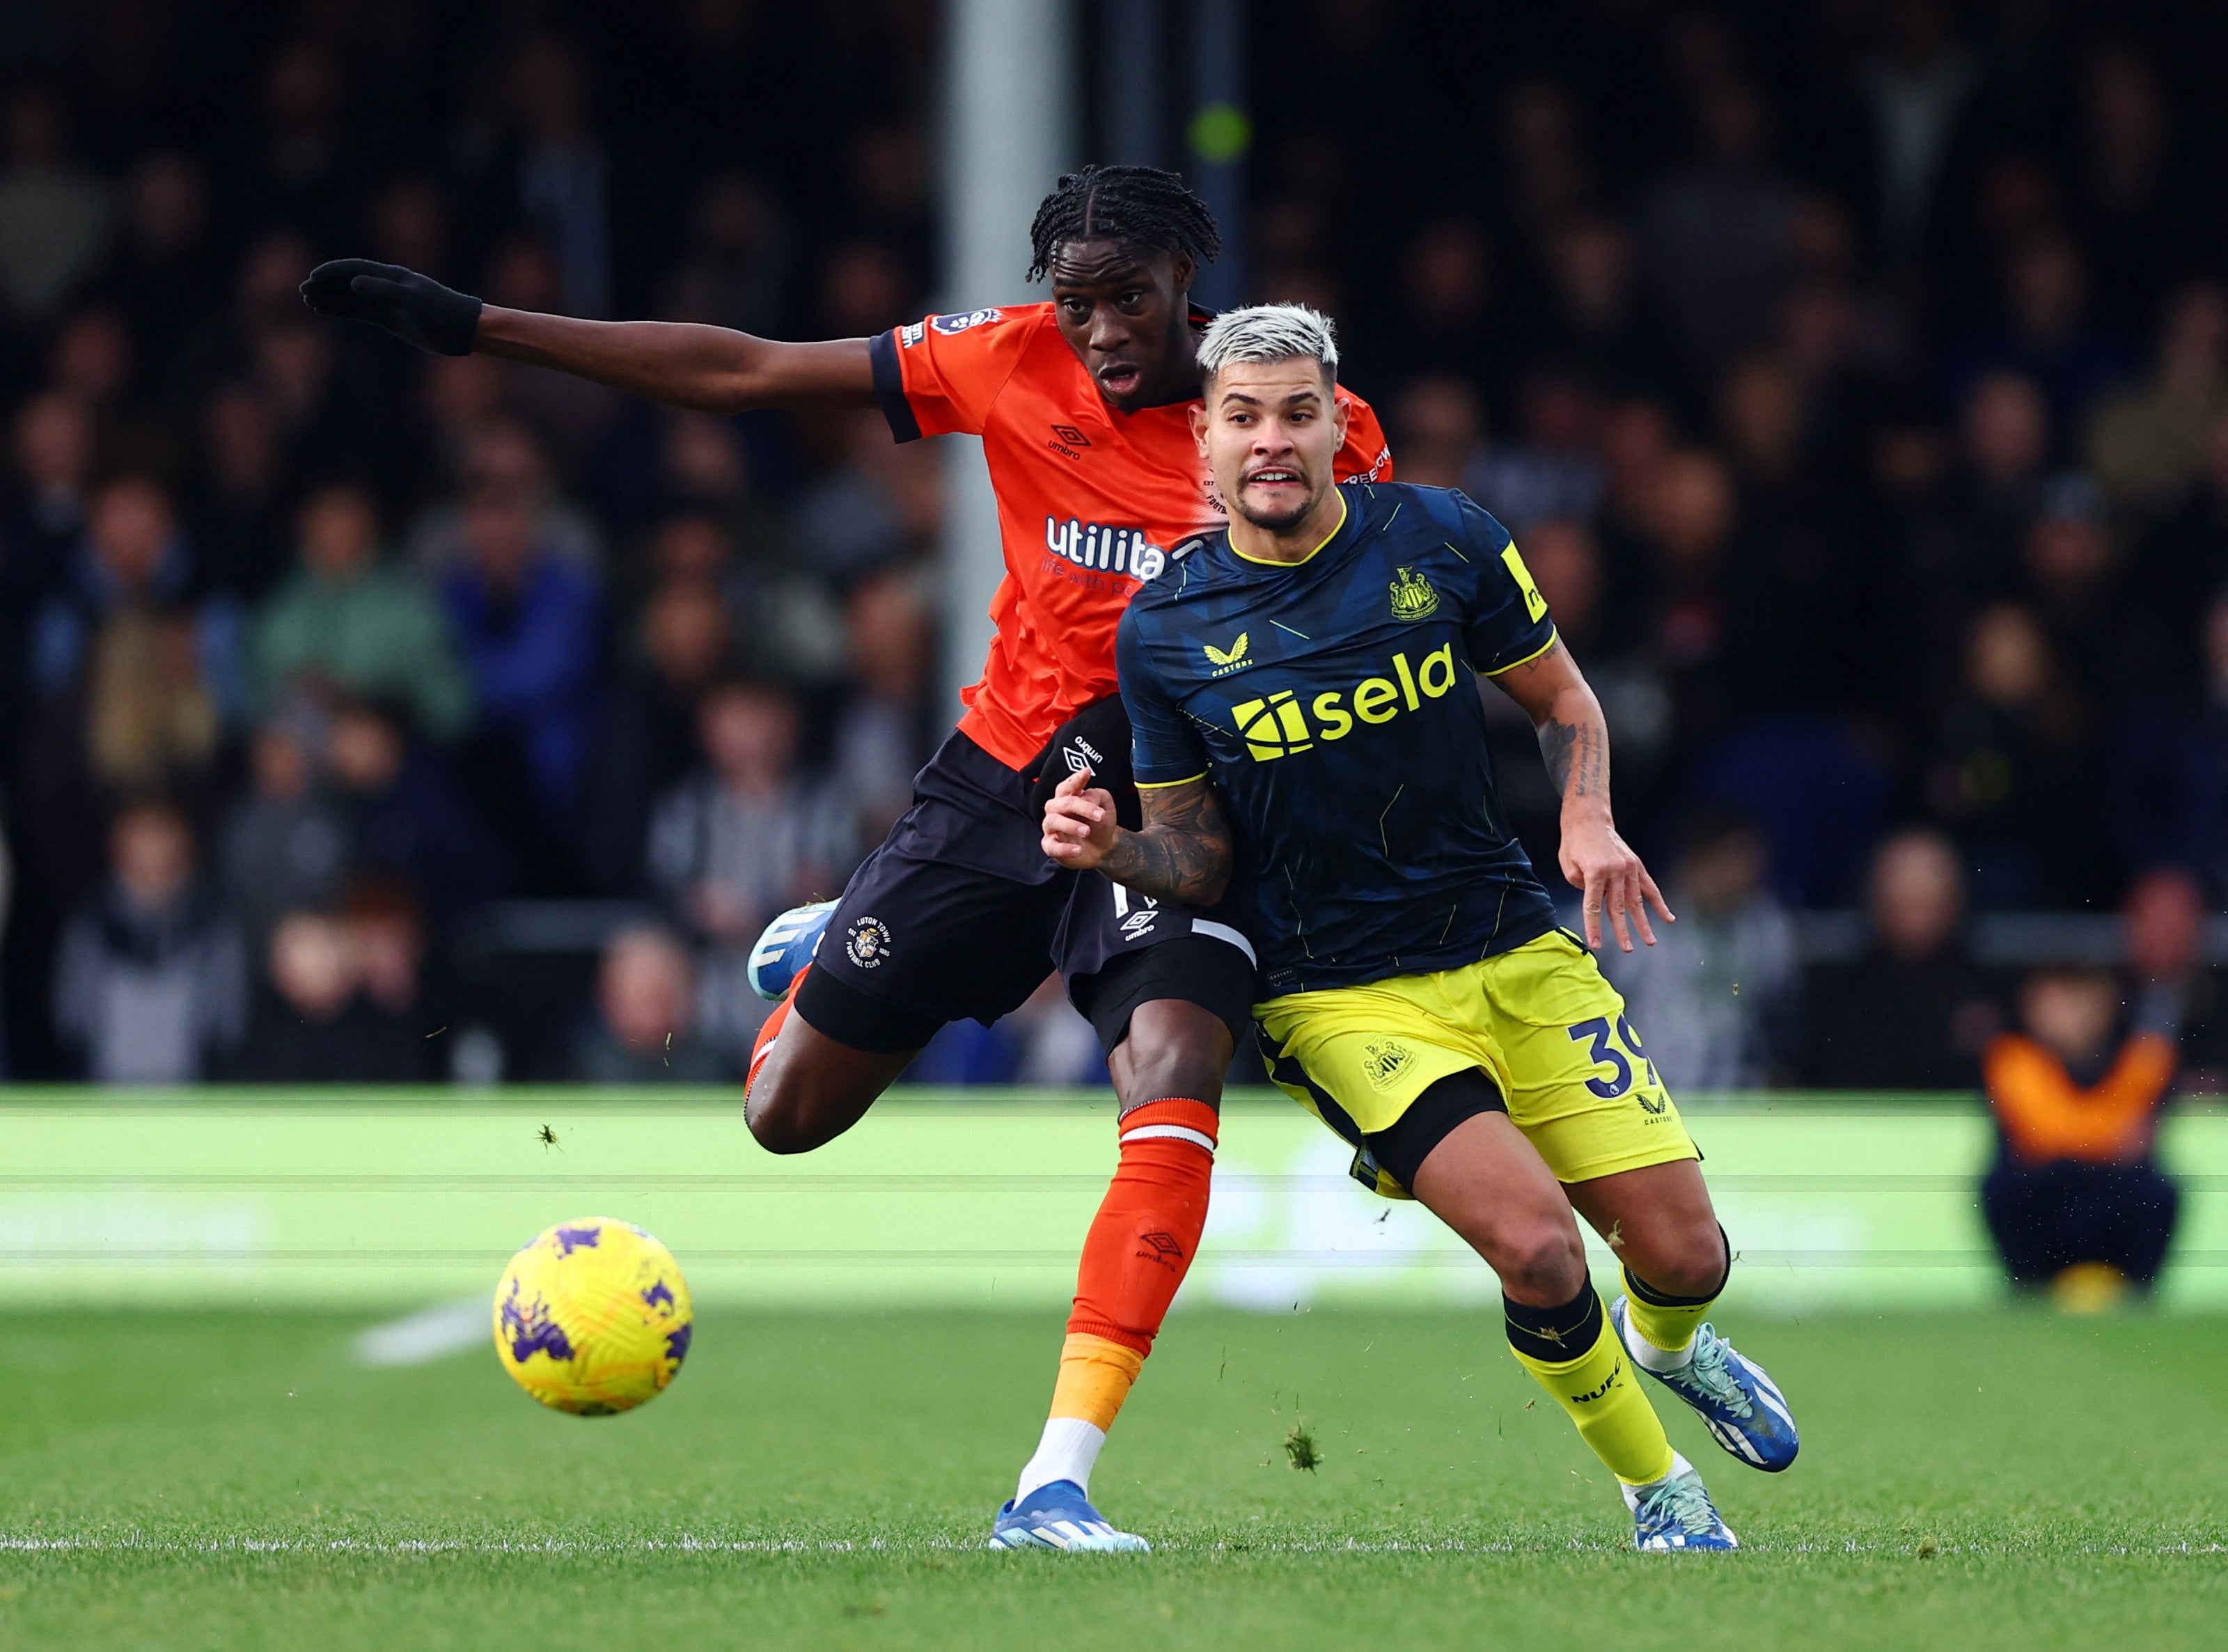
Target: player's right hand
1079,823
415,308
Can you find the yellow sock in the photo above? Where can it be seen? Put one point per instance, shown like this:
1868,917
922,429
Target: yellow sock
1095,1378
1600,1391
1667,1323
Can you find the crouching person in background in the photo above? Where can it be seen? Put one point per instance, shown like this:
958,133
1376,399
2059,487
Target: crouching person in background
2077,1200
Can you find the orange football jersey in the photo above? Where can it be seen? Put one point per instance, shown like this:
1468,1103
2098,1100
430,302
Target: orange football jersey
1090,501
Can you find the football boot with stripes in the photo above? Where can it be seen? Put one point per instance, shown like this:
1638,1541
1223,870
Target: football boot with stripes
1059,1516
784,947
1676,1513
1740,1406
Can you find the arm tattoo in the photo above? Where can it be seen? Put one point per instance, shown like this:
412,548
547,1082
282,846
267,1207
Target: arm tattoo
1185,852
1578,756
1573,736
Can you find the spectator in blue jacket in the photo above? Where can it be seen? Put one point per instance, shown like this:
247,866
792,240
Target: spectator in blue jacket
527,622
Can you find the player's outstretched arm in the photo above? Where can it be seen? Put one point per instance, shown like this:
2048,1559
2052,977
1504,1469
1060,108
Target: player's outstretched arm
713,369
1574,738
1184,853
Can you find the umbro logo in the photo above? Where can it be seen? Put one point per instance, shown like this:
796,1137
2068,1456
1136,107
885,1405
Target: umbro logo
1136,921
1065,438
1161,1248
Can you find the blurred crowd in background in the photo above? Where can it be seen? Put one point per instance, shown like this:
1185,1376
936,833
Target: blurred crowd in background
1853,374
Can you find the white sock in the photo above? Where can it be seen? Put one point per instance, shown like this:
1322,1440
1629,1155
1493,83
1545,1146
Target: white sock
1633,1494
1068,1450
1646,1353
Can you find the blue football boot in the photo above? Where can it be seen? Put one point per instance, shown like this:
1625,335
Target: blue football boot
1059,1516
786,946
1676,1513
1740,1406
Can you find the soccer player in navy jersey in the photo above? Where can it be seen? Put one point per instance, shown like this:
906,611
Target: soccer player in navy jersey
1310,745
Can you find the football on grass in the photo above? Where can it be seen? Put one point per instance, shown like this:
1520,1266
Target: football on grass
592,1317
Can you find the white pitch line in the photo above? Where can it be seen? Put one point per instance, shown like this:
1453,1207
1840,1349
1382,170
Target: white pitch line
946,1545
431,1333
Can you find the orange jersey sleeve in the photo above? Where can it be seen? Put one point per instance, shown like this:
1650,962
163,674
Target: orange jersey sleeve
943,373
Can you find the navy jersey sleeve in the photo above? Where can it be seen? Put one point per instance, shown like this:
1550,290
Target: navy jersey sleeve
1508,622
1165,750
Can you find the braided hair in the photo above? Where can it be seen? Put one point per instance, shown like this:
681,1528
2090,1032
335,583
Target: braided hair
1140,207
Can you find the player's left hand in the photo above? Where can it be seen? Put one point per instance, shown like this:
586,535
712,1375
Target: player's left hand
1079,823
1602,864
415,308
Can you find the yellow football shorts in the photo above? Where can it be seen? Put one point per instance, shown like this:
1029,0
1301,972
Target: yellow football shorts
1541,1021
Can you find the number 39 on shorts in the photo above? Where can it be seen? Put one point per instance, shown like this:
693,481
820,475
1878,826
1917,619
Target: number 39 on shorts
1602,1041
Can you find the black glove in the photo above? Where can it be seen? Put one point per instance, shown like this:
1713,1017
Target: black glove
415,308
1096,738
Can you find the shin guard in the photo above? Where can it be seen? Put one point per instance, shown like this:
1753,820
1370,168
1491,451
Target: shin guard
1141,1244
1572,1352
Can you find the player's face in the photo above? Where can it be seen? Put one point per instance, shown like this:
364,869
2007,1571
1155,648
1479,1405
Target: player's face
1271,430
1127,317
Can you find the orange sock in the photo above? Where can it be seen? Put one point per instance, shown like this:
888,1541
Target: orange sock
1095,1375
1140,1245
1138,1250
770,1030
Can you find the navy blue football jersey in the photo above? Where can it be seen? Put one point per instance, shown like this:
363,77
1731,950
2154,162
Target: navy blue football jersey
1334,703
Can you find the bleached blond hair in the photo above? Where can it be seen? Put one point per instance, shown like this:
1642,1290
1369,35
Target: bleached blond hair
1268,332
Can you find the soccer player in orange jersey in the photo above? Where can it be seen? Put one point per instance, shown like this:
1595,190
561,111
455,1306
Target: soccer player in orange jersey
1084,405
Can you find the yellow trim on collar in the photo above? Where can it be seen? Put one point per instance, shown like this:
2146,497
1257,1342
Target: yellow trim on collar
1344,511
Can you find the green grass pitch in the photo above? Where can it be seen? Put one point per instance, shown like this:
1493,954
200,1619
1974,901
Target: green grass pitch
2009,1479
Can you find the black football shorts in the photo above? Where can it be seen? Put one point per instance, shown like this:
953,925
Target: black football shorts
959,916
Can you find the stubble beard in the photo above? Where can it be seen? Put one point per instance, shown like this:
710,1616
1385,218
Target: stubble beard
1279,522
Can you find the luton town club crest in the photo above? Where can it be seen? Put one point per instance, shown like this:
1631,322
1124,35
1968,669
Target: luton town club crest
1412,595
869,943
